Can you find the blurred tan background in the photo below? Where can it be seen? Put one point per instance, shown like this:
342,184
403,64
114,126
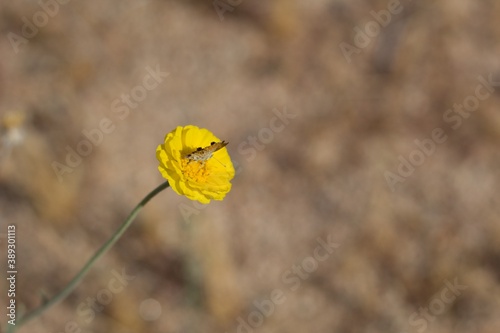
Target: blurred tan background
317,114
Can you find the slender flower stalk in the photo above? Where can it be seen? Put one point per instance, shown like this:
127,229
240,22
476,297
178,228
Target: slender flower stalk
77,279
195,163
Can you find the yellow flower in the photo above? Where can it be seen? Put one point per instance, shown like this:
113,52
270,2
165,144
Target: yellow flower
196,164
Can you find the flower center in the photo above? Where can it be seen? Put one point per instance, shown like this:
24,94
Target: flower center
195,171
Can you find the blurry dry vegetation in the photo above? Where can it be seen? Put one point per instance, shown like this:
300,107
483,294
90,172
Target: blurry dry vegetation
322,175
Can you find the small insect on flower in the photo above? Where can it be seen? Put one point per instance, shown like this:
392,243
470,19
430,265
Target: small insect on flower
204,154
196,163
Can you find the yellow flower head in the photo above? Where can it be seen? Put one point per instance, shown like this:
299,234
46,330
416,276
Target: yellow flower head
196,163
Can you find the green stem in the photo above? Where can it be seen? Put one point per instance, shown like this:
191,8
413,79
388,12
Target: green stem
76,280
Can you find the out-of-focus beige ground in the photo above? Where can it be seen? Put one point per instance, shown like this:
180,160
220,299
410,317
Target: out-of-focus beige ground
422,255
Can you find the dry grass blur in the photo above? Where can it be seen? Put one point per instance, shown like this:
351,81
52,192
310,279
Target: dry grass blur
321,175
